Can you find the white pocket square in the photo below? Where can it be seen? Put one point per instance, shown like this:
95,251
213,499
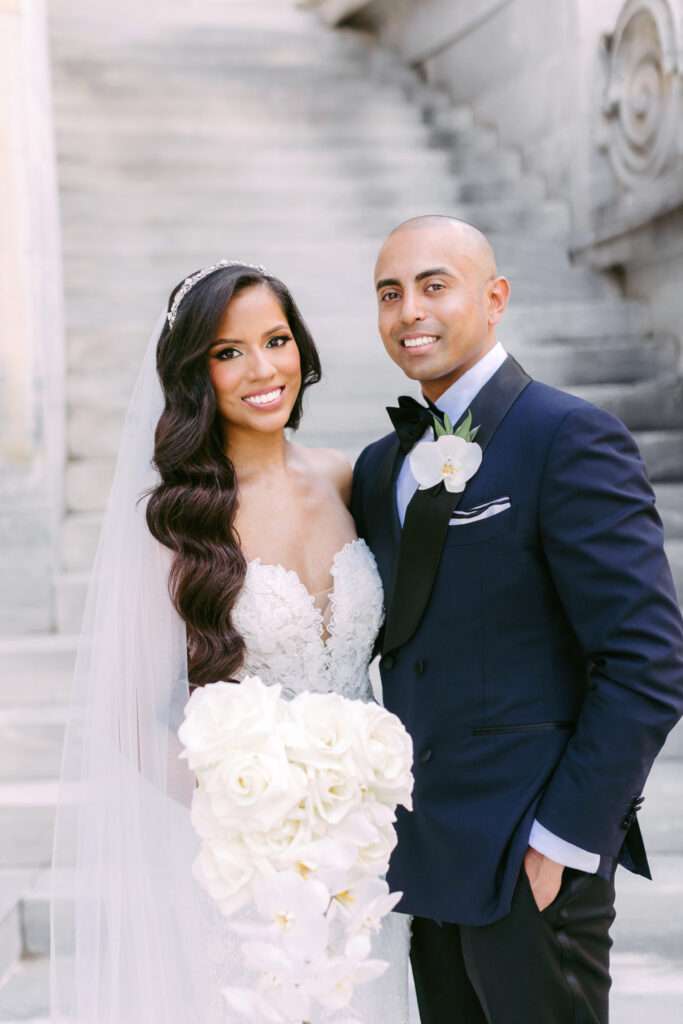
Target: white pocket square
462,517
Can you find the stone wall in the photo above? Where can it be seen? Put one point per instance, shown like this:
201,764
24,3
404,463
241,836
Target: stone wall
31,350
589,92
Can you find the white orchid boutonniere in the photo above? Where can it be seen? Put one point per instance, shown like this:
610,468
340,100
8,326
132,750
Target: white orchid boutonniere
453,458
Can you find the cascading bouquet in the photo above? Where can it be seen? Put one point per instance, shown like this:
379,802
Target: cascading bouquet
295,807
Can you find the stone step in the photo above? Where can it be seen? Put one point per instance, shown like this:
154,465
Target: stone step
31,741
529,189
670,505
307,175
472,139
13,885
452,117
27,814
241,186
87,484
600,360
662,452
25,992
116,127
75,17
537,264
559,321
85,168
291,257
35,911
85,212
70,593
199,58
80,534
674,551
36,670
648,945
655,404
661,817
501,165
167,95
145,132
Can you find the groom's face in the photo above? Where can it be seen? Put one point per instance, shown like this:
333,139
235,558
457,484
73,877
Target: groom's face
437,314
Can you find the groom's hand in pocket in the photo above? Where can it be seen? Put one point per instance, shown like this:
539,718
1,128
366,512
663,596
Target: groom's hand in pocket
545,877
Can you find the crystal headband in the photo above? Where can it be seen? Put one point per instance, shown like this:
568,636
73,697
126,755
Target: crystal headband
190,282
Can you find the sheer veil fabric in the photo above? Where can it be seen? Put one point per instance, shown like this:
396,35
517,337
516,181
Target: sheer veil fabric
134,938
130,926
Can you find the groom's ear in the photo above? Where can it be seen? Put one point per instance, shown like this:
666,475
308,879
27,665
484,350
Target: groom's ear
498,295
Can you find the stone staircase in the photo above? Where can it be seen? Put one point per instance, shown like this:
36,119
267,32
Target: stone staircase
248,130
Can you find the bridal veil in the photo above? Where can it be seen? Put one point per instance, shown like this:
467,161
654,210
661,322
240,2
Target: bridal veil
131,928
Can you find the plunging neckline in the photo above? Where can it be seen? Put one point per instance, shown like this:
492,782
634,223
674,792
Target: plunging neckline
325,628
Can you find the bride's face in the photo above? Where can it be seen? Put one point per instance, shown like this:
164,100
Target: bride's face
254,363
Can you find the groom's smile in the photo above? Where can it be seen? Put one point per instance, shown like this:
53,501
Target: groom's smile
418,343
440,297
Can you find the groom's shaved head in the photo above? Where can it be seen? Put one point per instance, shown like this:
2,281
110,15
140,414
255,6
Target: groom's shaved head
464,238
440,297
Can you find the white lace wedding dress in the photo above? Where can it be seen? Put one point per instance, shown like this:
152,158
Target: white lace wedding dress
305,643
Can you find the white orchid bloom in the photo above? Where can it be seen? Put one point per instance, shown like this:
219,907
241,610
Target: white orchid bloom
334,983
449,458
365,903
296,911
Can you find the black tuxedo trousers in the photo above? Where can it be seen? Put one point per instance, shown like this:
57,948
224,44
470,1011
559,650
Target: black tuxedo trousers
529,967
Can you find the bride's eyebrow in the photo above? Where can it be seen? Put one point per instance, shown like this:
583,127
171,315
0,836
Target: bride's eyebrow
236,341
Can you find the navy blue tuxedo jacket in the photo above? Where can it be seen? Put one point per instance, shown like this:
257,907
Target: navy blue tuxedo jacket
536,656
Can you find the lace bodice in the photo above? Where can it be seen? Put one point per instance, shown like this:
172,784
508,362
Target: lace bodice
290,641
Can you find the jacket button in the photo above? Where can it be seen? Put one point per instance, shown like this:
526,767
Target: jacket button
425,755
419,667
387,661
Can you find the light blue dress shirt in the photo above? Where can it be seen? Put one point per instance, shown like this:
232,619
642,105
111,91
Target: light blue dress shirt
456,401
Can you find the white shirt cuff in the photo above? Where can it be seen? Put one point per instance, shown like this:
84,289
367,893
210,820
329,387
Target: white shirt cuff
561,851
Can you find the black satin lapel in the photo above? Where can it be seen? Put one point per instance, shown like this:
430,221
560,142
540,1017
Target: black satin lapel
427,516
383,524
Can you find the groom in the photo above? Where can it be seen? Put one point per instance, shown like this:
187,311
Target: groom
533,647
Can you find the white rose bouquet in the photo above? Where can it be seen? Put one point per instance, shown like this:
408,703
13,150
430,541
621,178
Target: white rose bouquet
295,806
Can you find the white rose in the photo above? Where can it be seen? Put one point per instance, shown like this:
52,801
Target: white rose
317,730
383,750
374,857
256,787
203,817
278,847
333,793
221,716
226,870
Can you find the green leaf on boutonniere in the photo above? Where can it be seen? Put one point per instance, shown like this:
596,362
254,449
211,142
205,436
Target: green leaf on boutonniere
438,428
465,430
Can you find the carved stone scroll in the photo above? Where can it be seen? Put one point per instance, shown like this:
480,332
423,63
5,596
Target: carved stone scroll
643,108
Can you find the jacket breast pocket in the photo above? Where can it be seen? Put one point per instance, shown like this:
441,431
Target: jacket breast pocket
482,529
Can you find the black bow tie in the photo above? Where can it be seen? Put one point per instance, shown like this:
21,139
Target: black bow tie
410,419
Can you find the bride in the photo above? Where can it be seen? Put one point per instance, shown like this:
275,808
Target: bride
242,559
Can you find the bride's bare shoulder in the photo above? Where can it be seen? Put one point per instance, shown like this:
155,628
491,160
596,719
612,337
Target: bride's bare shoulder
332,464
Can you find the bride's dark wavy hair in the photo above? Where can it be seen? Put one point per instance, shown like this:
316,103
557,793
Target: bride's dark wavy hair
192,510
